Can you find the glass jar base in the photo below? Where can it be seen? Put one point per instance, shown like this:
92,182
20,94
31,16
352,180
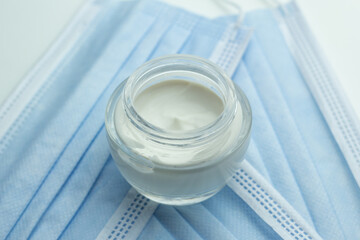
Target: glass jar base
177,201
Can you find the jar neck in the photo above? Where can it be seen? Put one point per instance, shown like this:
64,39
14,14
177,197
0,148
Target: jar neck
180,67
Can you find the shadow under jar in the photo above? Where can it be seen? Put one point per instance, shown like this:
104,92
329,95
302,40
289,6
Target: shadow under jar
183,165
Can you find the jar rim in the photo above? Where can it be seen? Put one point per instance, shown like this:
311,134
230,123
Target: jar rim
180,138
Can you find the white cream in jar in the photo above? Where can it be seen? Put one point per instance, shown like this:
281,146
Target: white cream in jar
178,105
178,129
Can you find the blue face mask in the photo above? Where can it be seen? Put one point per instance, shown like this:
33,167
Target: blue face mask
63,182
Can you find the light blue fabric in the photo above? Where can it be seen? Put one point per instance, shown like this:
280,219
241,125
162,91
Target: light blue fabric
64,184
327,185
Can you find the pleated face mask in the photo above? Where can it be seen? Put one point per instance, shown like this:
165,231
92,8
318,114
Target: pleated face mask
58,180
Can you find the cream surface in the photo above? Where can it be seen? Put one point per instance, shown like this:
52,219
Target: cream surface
178,105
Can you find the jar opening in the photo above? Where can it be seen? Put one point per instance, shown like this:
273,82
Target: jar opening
177,68
178,105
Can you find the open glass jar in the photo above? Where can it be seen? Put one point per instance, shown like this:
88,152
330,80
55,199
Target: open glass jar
178,168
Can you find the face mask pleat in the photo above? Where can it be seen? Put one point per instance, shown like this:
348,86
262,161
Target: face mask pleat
229,214
293,146
238,217
73,193
175,223
67,164
181,27
195,215
156,230
205,33
326,156
270,150
253,155
110,190
150,40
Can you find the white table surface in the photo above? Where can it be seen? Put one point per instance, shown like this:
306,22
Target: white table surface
28,28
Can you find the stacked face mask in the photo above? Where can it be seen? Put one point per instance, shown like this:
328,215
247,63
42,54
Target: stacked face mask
58,180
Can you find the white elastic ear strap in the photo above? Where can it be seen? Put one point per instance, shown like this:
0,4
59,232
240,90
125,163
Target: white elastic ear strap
238,9
270,205
130,218
230,48
247,183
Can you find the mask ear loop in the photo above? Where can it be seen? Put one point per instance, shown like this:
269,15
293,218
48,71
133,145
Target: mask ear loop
277,3
237,7
240,18
238,22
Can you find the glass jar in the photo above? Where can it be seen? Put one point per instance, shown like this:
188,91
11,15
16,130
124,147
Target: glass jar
151,159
